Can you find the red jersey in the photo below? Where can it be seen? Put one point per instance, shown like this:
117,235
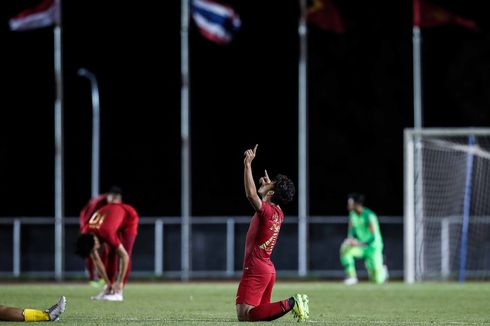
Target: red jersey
130,223
261,238
111,222
90,208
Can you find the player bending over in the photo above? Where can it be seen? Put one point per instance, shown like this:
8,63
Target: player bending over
19,314
255,288
116,225
114,196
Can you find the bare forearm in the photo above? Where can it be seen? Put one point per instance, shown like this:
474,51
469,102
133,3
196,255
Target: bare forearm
248,181
99,265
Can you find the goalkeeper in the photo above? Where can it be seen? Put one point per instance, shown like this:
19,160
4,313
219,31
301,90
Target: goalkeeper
364,241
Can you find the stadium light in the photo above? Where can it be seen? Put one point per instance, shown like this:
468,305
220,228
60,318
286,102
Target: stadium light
95,129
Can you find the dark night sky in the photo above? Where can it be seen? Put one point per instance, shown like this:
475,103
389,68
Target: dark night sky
360,99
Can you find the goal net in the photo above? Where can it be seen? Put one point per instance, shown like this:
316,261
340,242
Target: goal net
447,204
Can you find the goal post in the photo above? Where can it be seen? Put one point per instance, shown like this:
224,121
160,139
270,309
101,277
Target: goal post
446,204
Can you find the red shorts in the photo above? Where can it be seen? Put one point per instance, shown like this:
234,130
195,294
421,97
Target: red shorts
255,288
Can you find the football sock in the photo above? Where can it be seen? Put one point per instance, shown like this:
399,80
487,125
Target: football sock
351,273
35,315
270,311
291,302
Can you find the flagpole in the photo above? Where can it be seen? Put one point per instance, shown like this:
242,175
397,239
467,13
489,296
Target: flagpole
411,217
302,144
417,66
185,145
413,269
58,122
417,77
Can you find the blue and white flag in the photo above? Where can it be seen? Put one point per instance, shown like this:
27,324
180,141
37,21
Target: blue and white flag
216,22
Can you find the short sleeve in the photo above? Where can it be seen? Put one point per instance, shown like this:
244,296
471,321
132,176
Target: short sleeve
265,211
373,218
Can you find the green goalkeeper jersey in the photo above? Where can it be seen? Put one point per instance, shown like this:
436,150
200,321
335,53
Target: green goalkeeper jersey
359,228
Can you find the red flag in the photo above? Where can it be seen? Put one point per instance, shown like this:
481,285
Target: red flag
44,14
325,15
426,14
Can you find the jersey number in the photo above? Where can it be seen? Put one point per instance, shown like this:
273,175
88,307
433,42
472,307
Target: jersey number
96,220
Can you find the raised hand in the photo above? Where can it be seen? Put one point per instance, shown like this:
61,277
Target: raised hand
250,155
265,179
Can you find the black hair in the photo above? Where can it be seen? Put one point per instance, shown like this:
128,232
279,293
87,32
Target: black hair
85,244
283,190
116,190
357,198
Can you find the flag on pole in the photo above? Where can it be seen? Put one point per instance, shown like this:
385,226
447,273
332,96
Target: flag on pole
44,14
216,22
426,14
325,15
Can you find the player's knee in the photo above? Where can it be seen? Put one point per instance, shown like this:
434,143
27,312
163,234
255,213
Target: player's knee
242,312
242,315
346,260
344,248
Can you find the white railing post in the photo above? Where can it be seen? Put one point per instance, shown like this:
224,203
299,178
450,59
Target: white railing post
230,246
158,247
16,247
445,263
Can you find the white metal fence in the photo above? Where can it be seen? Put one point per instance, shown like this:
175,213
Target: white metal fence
333,231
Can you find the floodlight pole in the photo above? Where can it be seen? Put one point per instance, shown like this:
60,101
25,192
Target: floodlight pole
95,187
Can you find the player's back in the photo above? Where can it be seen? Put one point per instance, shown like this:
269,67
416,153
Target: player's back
106,223
93,205
131,220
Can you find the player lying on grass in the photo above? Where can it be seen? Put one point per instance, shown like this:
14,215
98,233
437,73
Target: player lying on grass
19,314
255,288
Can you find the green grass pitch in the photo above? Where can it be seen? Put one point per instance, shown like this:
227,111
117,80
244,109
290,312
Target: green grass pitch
213,303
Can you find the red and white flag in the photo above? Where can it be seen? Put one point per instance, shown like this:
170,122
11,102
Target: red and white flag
44,14
324,14
427,14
